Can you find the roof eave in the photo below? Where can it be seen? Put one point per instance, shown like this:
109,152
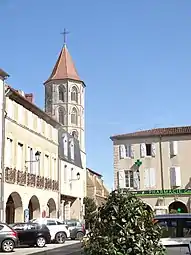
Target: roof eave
3,74
114,138
70,79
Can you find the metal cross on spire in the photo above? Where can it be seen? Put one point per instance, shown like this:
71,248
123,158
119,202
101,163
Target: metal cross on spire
64,34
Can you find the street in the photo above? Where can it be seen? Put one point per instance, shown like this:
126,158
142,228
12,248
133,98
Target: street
74,249
68,248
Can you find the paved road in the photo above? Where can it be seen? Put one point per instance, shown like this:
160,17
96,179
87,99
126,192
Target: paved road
45,250
74,249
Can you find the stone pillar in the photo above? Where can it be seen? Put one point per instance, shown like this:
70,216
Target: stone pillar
67,210
62,210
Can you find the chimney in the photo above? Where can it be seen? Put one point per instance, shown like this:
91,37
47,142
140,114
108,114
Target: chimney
30,97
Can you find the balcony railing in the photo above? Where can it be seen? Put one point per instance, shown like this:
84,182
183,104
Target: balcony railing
23,178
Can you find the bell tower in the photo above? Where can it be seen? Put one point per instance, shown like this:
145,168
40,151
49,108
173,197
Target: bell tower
65,96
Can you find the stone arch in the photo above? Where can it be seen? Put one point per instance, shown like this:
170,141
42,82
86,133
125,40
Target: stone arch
51,208
14,208
62,115
177,207
34,208
74,94
62,93
74,116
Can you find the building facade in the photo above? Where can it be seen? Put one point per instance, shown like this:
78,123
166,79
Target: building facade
155,164
96,188
64,101
31,187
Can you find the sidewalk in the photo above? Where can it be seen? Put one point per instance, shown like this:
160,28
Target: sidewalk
33,250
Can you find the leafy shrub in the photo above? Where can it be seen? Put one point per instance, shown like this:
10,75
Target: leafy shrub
123,226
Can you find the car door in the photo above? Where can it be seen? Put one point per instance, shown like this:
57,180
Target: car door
30,233
19,228
51,224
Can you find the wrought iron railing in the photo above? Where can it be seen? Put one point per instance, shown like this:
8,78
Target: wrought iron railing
23,178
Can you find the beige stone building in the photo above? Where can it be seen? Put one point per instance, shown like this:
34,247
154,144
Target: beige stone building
30,159
163,180
96,188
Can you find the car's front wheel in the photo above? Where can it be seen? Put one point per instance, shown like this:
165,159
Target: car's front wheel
40,242
60,237
7,245
79,235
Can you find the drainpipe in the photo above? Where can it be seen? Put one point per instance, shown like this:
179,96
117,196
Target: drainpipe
161,165
2,210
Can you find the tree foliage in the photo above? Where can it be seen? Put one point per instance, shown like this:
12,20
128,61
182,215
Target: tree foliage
90,211
123,226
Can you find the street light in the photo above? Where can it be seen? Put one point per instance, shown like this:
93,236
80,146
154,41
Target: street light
78,176
37,158
77,179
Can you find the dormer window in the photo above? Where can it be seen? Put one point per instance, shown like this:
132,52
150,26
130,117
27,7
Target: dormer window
71,146
65,144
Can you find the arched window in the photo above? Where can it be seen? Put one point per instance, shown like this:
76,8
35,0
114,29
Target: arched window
74,94
75,134
62,93
74,116
62,116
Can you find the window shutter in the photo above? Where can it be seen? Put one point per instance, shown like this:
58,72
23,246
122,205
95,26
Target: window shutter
10,108
121,179
122,151
178,176
146,178
30,119
172,177
153,149
39,125
173,148
152,178
175,176
127,150
20,113
136,180
132,151
143,150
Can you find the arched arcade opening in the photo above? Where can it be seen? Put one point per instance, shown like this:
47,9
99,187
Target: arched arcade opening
51,208
14,208
178,207
34,208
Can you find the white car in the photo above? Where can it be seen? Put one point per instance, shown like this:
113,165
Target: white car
59,232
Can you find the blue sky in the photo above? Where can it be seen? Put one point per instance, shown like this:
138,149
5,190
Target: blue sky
134,56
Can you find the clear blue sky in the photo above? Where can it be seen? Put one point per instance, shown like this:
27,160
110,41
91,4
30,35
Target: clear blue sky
134,56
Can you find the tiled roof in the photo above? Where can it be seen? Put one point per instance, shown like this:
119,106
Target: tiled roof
64,67
170,131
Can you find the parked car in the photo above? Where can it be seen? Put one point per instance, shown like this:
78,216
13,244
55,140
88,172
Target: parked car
76,228
8,238
32,234
58,230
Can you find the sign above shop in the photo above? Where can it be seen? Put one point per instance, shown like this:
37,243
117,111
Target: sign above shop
166,192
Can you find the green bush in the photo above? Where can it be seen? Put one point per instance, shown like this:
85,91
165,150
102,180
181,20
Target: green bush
123,226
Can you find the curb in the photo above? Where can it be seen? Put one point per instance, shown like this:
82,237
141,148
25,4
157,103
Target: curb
45,252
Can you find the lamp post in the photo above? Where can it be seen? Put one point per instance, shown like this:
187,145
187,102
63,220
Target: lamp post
37,158
77,179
